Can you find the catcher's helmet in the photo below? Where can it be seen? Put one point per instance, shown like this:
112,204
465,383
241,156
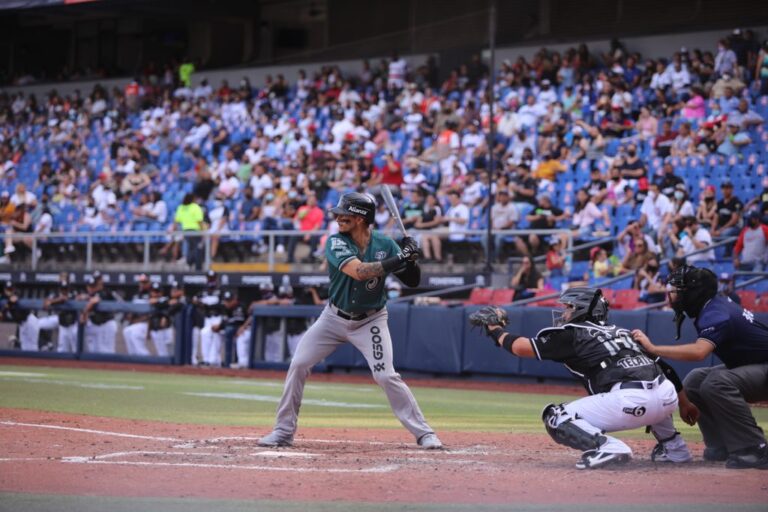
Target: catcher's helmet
588,305
694,287
358,204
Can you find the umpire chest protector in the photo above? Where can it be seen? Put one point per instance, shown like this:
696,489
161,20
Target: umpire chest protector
599,355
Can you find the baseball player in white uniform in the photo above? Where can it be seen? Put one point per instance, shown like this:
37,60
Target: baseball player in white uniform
65,319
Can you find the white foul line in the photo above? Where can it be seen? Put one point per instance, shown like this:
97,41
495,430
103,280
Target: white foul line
90,431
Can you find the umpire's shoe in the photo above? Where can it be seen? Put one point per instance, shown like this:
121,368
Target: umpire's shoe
749,458
275,439
592,459
430,442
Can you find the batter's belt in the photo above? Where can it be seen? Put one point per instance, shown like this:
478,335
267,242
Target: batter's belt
355,317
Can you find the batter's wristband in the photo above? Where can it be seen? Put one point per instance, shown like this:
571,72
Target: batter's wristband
391,264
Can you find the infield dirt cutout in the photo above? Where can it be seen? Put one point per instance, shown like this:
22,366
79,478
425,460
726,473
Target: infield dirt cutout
55,453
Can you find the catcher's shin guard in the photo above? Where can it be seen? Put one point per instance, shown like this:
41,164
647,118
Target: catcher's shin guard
568,430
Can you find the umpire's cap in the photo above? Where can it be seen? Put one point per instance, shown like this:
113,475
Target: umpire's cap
358,204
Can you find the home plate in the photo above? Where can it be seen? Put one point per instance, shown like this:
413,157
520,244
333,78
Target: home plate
277,455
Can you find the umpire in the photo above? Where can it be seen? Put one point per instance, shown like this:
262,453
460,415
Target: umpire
722,393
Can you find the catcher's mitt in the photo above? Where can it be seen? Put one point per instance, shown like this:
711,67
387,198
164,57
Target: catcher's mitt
489,315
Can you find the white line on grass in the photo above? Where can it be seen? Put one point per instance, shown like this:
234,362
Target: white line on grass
93,385
23,374
274,399
90,431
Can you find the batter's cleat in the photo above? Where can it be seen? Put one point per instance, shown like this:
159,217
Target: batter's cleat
275,439
430,442
750,458
715,454
592,459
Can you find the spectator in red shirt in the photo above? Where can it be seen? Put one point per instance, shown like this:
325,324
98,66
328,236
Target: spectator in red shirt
309,217
751,250
391,174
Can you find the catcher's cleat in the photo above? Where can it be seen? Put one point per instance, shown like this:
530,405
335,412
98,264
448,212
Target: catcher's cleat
592,459
430,442
673,449
275,439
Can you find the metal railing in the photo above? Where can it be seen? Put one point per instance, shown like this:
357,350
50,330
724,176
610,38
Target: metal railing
89,240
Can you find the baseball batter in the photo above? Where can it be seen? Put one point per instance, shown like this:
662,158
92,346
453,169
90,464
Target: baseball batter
628,388
358,261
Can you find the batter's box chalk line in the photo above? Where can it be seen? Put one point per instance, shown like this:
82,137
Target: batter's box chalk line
124,459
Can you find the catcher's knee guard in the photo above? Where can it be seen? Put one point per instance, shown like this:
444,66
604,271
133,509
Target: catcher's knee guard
561,427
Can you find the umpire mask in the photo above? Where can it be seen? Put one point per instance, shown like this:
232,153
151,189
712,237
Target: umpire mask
693,288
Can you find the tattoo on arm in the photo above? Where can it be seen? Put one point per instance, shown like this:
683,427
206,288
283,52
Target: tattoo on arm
369,270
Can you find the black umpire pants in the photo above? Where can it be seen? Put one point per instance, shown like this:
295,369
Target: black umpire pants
723,396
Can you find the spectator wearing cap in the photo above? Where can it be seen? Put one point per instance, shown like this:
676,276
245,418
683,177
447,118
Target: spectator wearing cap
729,210
457,217
694,239
725,287
656,211
504,215
735,139
616,124
669,181
547,94
751,250
745,117
544,216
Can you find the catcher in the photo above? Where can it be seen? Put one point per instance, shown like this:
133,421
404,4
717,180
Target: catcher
628,389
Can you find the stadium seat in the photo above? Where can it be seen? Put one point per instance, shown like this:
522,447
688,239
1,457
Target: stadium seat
480,296
502,296
626,299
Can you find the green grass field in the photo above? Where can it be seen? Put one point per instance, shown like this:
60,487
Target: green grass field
209,400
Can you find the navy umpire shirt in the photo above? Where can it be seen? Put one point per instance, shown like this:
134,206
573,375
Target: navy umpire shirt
738,338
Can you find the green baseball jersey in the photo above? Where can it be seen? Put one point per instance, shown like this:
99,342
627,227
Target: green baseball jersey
349,294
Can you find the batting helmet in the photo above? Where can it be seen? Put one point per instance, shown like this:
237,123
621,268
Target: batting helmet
694,287
358,204
588,305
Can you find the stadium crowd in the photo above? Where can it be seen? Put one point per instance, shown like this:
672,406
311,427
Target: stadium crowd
666,155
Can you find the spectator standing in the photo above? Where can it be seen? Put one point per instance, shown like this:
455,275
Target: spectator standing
431,218
504,215
751,250
191,219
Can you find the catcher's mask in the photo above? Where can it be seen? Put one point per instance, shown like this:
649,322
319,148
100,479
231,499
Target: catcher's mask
581,304
693,288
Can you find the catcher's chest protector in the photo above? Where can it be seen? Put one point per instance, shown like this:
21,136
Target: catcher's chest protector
607,354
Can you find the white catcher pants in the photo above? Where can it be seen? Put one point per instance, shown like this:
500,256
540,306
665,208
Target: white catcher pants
626,409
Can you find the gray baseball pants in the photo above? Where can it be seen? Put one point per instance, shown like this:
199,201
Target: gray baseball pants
371,337
723,396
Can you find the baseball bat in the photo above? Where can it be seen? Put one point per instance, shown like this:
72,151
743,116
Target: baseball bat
392,207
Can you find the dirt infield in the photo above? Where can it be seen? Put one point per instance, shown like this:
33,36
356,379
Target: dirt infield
55,453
